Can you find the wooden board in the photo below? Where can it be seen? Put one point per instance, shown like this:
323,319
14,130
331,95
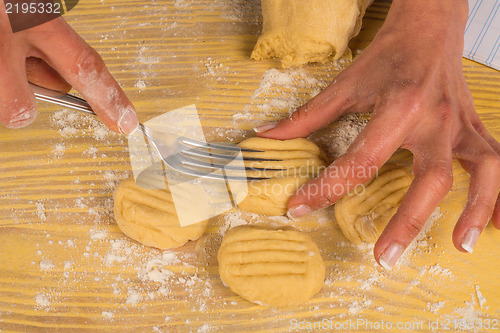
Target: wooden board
65,265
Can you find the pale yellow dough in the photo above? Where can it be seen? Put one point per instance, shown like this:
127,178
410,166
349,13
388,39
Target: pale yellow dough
299,31
149,217
271,267
363,216
300,161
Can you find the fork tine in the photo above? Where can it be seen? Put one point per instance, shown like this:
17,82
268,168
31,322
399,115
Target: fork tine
206,154
177,163
187,160
230,147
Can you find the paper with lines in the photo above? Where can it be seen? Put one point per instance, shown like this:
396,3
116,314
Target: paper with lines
482,32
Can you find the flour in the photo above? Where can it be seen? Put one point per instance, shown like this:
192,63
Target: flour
40,211
279,94
46,265
422,236
133,297
139,83
336,139
435,307
42,300
439,271
480,298
107,314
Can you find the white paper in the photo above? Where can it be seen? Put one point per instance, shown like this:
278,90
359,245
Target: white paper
482,33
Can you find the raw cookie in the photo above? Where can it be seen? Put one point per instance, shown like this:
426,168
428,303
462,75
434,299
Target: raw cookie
298,31
271,267
149,217
300,160
363,216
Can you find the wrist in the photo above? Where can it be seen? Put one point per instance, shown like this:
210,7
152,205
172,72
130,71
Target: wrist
436,23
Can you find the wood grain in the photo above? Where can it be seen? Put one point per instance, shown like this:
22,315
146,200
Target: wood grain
64,264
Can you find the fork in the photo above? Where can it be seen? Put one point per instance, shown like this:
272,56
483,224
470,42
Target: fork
187,156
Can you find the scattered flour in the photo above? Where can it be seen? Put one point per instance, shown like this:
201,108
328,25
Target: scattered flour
46,265
42,300
133,297
480,298
279,94
439,271
140,84
40,211
405,258
107,314
435,307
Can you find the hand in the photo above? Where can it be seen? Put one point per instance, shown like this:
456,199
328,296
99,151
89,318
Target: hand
411,78
54,56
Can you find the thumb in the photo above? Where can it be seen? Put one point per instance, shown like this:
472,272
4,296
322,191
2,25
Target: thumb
324,108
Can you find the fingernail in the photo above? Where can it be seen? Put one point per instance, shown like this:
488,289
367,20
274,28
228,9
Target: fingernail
298,211
265,127
470,239
128,122
391,255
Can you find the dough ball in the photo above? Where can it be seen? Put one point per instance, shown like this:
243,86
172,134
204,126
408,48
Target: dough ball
363,216
298,31
271,267
300,160
149,217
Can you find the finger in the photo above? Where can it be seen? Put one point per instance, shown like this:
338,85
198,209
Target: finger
483,132
84,69
41,74
321,110
371,149
17,103
433,180
495,219
483,164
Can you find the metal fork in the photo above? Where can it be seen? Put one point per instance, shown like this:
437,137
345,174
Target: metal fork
187,156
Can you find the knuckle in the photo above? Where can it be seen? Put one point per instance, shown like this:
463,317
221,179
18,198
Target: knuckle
412,227
88,62
440,179
365,166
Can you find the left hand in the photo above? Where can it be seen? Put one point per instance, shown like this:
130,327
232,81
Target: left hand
411,78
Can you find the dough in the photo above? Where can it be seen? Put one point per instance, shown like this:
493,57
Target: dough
300,161
299,31
149,217
363,216
271,267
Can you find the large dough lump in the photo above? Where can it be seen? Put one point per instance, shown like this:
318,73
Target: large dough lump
271,267
363,216
149,217
299,160
302,31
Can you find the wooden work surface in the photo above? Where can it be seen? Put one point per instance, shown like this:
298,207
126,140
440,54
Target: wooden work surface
65,265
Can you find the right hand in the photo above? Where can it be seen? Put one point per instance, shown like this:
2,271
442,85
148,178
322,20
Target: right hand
54,56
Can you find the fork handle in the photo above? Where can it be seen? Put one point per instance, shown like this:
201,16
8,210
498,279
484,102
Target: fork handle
56,97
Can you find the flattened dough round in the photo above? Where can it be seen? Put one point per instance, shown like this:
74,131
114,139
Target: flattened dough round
363,216
300,160
298,31
149,217
271,267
